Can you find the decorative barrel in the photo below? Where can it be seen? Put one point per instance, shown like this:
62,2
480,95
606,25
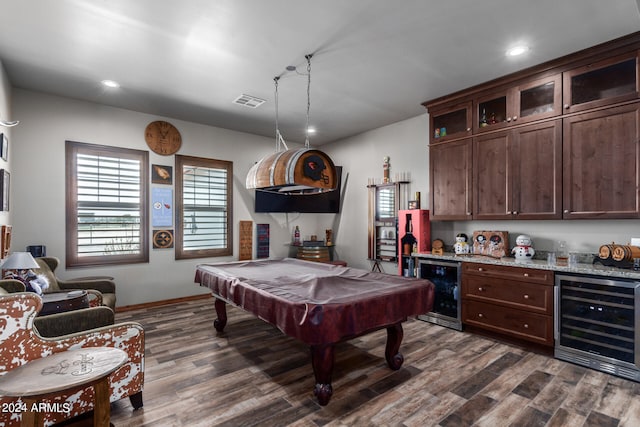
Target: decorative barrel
606,251
296,169
626,253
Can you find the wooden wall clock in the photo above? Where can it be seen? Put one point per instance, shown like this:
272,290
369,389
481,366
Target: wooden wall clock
162,138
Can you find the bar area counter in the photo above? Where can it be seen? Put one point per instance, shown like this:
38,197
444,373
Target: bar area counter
580,268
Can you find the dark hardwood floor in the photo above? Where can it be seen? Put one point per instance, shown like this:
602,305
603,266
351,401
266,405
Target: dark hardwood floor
254,375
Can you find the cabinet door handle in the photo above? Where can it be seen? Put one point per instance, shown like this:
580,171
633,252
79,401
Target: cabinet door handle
515,118
480,289
566,106
508,212
468,129
526,296
480,315
526,326
526,274
566,211
480,269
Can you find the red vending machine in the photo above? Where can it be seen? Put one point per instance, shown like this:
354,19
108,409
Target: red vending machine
414,231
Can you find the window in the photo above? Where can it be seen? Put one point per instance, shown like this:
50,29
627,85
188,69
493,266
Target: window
203,207
107,198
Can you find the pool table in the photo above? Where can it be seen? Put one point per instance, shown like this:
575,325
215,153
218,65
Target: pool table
318,304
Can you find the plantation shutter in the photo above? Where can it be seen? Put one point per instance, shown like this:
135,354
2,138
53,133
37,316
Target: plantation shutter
108,199
205,187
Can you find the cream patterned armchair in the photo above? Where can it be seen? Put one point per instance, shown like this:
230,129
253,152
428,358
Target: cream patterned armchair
20,343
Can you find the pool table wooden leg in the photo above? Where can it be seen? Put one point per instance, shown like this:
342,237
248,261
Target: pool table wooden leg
322,360
392,351
221,311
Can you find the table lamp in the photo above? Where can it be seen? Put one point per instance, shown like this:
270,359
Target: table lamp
20,263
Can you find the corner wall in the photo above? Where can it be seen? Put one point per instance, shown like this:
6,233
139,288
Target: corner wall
5,114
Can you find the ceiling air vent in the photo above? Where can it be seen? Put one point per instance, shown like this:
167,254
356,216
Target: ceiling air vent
249,101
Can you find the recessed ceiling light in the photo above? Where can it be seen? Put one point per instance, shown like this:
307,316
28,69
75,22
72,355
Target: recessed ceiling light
110,83
311,130
517,50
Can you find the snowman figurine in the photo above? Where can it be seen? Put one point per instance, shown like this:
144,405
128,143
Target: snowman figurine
461,247
523,250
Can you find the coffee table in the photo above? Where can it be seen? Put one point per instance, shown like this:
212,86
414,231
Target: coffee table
58,302
45,377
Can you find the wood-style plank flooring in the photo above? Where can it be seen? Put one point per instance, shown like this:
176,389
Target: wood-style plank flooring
252,374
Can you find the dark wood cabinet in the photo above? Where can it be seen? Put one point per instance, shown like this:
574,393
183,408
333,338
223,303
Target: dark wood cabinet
451,122
533,99
450,177
601,157
536,166
601,83
560,140
517,173
491,190
513,301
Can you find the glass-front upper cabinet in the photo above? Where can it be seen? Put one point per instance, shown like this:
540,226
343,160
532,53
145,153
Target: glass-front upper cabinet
451,122
531,100
606,82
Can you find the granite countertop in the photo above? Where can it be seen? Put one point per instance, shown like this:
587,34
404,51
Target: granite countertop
580,268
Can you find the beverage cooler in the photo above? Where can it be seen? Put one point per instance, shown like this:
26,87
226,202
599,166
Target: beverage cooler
445,275
414,231
596,323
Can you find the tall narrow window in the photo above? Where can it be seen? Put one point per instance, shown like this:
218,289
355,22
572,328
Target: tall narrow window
203,207
107,198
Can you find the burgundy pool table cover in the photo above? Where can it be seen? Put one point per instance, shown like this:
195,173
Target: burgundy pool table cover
314,302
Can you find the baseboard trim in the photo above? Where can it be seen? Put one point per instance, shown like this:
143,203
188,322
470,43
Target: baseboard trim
162,302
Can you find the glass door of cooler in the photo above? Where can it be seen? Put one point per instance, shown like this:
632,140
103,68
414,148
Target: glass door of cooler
445,275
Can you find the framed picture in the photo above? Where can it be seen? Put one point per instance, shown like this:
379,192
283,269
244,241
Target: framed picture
4,190
5,241
4,147
162,239
162,207
161,174
414,204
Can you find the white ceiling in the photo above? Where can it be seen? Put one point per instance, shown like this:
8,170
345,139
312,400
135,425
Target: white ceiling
374,63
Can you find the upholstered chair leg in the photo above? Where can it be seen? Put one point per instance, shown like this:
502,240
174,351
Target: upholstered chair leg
136,400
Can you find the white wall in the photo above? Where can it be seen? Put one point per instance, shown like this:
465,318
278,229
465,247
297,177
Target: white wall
38,187
5,114
362,157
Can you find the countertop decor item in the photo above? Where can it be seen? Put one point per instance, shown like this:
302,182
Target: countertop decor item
490,243
461,247
523,250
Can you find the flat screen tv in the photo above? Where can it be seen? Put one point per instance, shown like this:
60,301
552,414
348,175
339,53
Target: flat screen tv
267,201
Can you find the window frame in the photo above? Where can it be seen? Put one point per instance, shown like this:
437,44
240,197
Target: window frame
180,162
72,149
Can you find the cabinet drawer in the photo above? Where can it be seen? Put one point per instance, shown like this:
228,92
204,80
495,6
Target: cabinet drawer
519,295
524,325
532,275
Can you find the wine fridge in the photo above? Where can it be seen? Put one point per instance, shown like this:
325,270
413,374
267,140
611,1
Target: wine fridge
597,323
445,275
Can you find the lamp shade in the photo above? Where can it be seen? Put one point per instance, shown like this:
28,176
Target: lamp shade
293,171
19,261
